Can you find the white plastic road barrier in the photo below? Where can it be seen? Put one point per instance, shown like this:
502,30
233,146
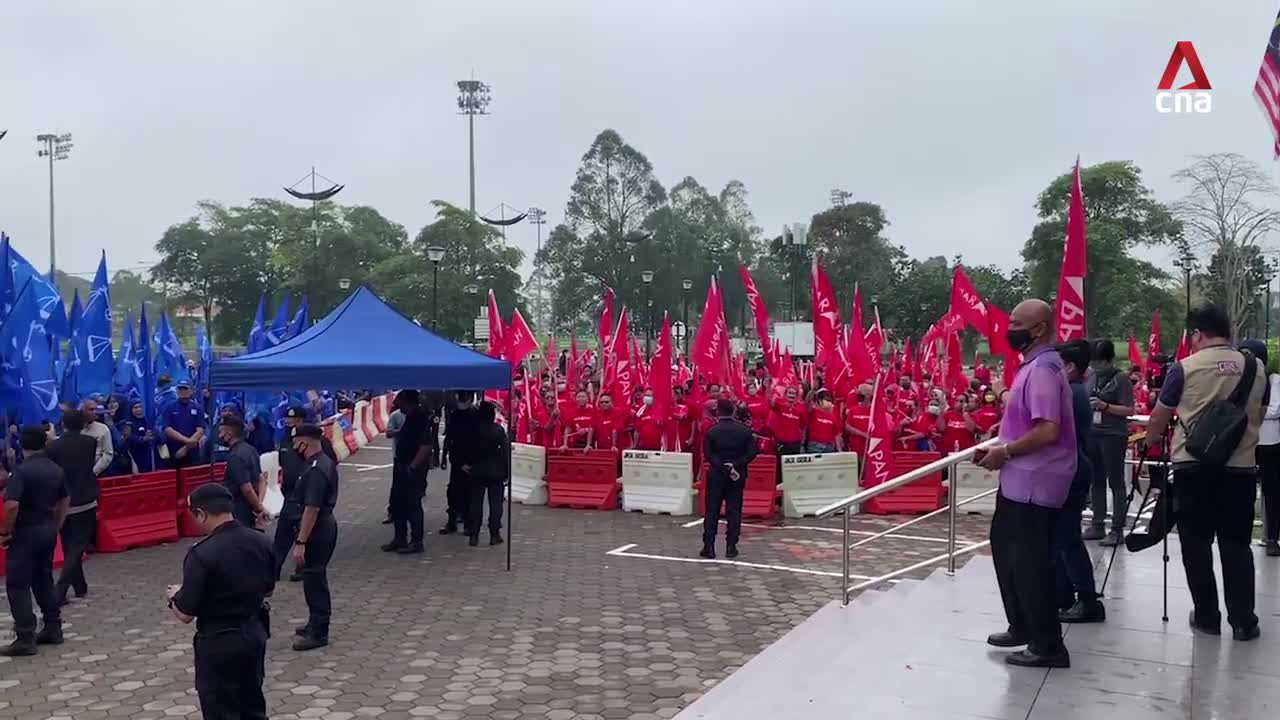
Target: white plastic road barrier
382,410
359,416
333,431
811,482
371,430
274,499
528,469
657,482
972,481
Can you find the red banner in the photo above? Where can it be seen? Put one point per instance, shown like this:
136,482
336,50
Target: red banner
1153,340
997,337
759,312
660,373
1135,357
826,319
606,320
1184,348
875,338
877,466
571,367
1069,310
621,378
519,338
497,346
966,303
710,343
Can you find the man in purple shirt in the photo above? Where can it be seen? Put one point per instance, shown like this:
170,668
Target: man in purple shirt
1036,458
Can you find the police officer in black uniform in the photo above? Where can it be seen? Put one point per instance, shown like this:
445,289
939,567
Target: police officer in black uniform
291,469
409,476
35,505
226,579
317,494
243,476
486,474
457,446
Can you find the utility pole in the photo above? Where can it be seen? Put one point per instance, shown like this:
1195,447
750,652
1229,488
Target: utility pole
54,147
473,100
538,217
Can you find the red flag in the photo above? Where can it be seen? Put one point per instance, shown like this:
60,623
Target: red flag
709,344
966,303
1153,340
1069,310
606,320
1184,348
948,323
683,373
736,378
1135,357
997,337
826,319
855,317
787,376
1010,370
660,373
497,346
917,371
519,338
906,355
875,338
553,362
621,378
955,369
759,312
862,366
877,465
571,367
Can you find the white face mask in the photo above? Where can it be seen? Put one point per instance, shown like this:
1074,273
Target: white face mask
648,400
934,410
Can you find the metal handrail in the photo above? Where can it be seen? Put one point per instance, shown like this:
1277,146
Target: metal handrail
953,503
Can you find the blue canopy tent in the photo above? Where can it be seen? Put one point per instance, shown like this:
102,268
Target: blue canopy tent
368,344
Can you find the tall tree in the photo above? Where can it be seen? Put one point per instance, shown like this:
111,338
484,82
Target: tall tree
1225,217
851,246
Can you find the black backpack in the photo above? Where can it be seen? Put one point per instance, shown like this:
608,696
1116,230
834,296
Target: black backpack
1216,434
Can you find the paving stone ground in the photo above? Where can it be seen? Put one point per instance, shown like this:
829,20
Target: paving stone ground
603,615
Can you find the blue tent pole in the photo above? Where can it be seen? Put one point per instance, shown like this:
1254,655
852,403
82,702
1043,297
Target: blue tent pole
511,434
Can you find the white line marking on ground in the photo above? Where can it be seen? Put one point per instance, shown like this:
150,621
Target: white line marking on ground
624,551
922,538
376,447
366,468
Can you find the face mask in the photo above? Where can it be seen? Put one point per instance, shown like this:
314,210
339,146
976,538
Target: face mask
990,398
1019,338
934,410
648,400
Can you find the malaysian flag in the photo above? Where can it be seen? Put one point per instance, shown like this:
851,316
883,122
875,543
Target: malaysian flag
1267,88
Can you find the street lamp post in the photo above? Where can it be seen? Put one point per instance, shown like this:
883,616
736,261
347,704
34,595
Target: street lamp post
54,147
473,100
435,254
472,290
685,285
646,277
1268,275
794,238
1186,261
538,217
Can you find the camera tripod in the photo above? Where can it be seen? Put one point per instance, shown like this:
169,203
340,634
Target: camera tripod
1162,506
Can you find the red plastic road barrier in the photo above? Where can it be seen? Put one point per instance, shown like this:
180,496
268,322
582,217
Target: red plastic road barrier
759,497
57,556
137,511
381,411
188,480
922,496
370,428
582,480
348,435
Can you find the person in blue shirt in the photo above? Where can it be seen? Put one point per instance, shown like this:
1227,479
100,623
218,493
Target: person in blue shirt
139,439
183,428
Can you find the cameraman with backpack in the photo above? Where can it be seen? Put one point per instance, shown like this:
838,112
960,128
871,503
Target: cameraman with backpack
1216,394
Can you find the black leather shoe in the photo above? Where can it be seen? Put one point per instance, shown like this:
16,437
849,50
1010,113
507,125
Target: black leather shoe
302,630
1026,658
449,529
23,646
1112,539
392,546
1005,639
1246,634
410,549
50,635
386,520
495,538
1273,548
1206,629
307,642
473,539
1095,532
296,575
708,552
731,551
1081,613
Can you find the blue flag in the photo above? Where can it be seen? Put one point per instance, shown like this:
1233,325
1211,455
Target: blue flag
204,353
258,333
144,374
300,320
47,300
24,335
125,370
69,389
169,357
96,367
10,370
277,333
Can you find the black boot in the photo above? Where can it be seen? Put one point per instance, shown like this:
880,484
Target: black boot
302,630
708,552
50,635
449,528
1080,613
1273,548
731,550
309,642
495,537
413,548
22,646
473,539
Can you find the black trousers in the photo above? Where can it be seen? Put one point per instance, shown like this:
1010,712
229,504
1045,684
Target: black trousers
721,491
456,494
230,666
28,571
477,489
1217,503
1269,476
78,532
315,574
1074,569
407,488
286,534
1106,455
1022,549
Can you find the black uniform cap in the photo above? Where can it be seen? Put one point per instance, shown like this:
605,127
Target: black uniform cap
296,412
309,431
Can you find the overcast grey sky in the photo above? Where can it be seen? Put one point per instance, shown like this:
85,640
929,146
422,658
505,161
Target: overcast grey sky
952,115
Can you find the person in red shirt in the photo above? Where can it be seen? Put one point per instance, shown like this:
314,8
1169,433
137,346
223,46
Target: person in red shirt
758,408
580,422
857,419
982,374
787,420
605,435
683,425
987,416
545,424
822,424
648,425
957,429
707,417
912,429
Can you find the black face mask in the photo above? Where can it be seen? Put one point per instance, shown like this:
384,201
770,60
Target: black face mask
1019,339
